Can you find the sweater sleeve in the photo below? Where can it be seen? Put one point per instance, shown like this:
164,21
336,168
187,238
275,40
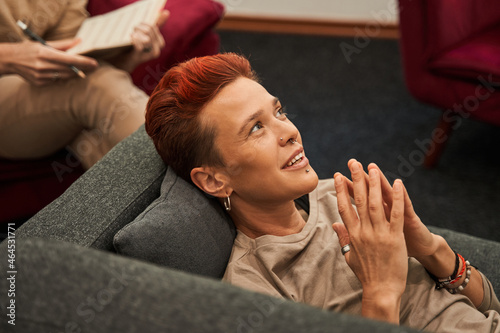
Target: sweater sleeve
490,300
69,23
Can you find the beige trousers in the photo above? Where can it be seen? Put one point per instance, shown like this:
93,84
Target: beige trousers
87,116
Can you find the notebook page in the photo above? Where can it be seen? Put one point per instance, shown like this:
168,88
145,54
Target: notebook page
113,29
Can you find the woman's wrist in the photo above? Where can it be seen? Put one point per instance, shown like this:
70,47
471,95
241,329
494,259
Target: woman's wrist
384,306
442,262
442,265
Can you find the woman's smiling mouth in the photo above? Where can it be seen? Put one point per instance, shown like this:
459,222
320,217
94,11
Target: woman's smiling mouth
298,160
295,159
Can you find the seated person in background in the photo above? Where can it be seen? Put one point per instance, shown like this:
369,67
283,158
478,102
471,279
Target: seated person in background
45,106
217,127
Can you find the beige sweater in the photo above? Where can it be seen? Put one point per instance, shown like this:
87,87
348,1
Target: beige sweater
308,267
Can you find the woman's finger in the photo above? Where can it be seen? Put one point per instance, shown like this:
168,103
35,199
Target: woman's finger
140,39
398,207
386,186
346,211
162,18
360,191
46,78
64,44
62,58
342,233
387,211
375,202
408,204
350,185
343,236
158,38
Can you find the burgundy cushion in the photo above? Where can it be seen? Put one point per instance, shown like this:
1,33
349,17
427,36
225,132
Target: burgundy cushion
474,57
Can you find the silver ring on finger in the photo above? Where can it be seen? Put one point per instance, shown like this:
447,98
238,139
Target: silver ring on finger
346,248
147,49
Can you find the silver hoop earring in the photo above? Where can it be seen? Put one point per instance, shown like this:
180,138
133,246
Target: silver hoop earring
227,204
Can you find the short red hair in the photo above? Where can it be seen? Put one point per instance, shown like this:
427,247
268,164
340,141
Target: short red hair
174,106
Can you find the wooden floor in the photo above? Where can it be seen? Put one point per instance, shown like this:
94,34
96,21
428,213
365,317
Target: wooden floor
370,29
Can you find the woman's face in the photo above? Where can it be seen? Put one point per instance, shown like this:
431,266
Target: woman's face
255,139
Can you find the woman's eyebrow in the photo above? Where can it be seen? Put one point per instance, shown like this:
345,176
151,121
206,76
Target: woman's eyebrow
254,116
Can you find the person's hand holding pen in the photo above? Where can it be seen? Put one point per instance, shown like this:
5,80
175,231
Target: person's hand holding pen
42,65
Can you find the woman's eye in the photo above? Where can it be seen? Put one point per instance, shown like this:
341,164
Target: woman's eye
281,113
256,127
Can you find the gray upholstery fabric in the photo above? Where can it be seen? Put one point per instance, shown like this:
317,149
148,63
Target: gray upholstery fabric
63,287
181,229
106,198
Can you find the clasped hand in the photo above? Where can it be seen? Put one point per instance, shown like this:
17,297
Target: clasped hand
382,233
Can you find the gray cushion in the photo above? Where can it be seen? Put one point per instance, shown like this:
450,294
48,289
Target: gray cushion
105,198
181,229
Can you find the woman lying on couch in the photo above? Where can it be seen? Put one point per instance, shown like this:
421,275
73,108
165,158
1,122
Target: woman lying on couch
216,126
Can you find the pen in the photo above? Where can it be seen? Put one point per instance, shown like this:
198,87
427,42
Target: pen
37,38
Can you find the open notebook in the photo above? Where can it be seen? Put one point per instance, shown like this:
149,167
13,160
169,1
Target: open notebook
108,34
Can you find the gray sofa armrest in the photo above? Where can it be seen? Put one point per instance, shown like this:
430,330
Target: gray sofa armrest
104,199
62,287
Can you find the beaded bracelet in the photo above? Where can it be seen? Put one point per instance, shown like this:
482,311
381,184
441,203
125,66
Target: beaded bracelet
455,276
466,281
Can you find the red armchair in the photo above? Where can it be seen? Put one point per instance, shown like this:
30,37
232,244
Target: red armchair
451,59
28,186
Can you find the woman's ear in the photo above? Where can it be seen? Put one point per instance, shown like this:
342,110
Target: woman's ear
210,181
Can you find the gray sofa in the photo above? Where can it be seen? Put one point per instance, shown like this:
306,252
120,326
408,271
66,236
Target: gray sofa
98,260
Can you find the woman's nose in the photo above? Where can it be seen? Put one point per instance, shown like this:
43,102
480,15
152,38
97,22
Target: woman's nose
288,133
